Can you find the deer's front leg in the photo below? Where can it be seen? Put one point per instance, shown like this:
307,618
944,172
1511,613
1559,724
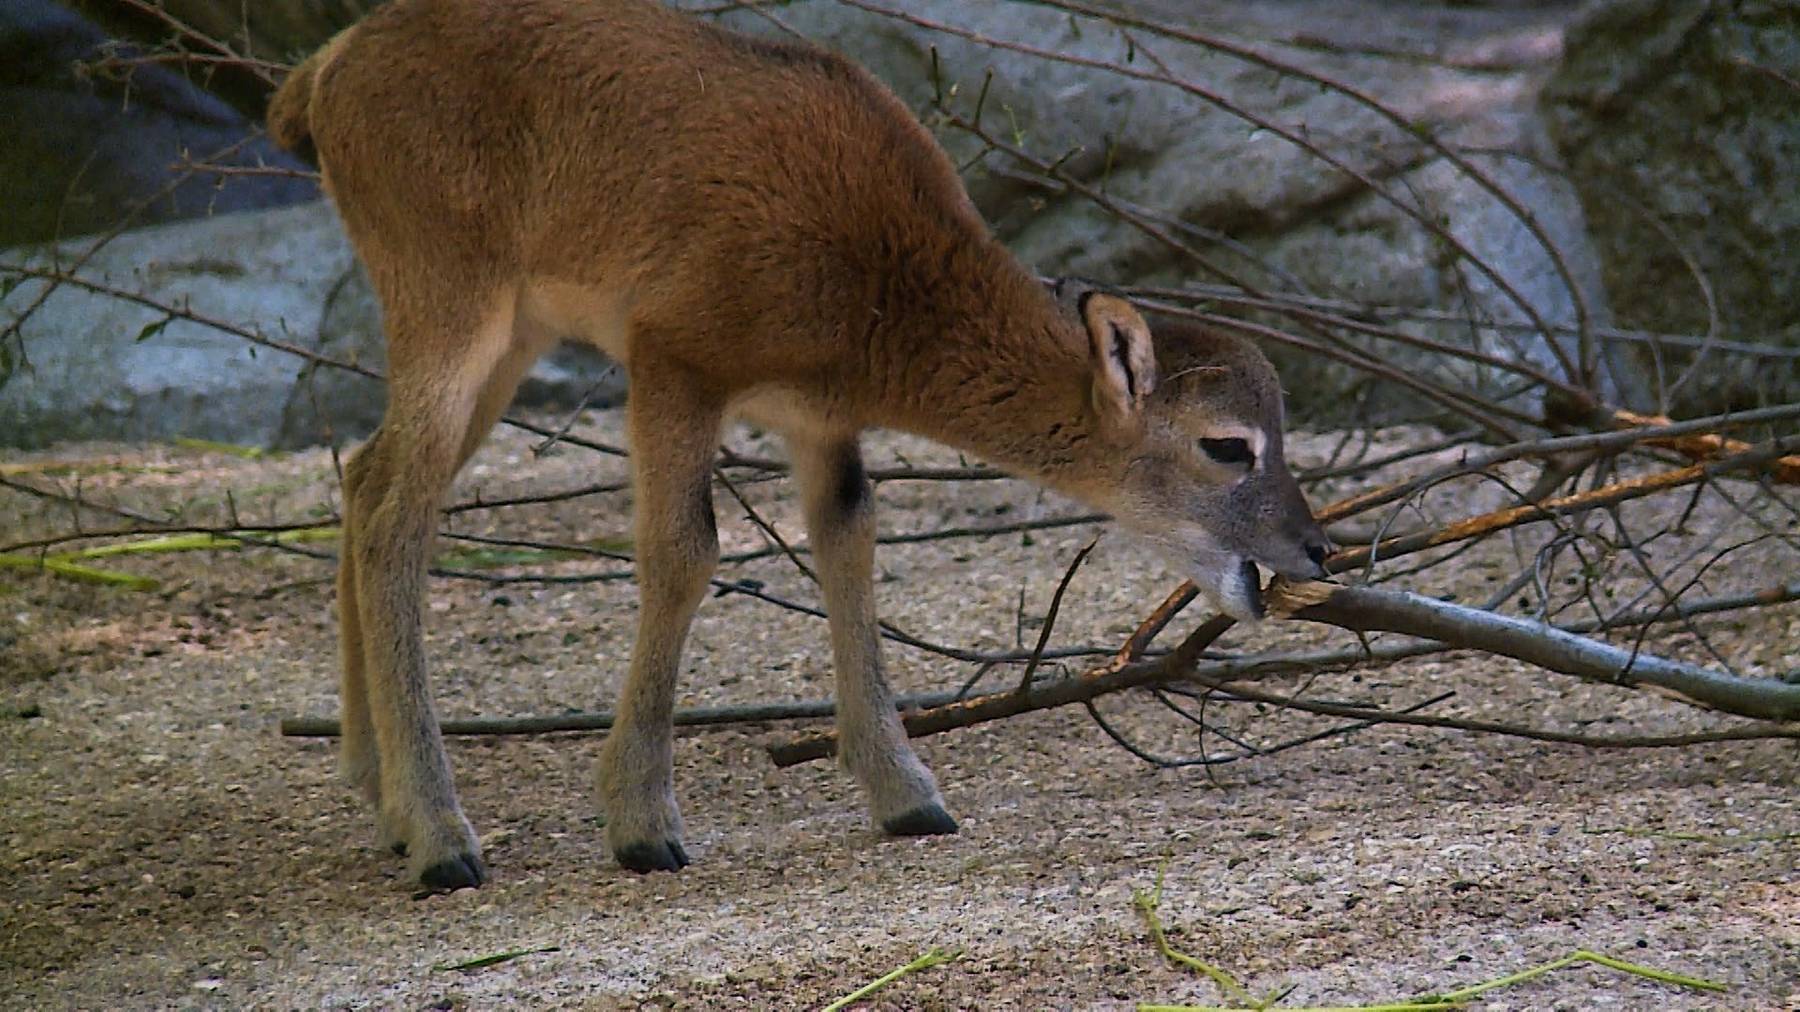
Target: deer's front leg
674,434
840,516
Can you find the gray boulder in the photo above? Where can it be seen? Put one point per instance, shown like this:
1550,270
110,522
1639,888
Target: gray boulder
1251,206
1256,207
1679,121
103,367
82,151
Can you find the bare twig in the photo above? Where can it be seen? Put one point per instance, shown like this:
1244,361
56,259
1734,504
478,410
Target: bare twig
691,716
1425,220
1037,652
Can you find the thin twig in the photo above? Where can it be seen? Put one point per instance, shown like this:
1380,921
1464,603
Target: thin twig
1043,640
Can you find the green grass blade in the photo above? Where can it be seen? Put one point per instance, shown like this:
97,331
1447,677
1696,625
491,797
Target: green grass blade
61,566
211,446
481,962
203,542
925,962
1147,904
1578,956
1439,1006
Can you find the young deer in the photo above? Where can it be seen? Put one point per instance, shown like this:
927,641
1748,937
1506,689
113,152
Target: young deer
752,229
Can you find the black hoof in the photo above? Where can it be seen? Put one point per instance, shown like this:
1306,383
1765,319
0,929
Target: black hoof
464,871
664,855
926,820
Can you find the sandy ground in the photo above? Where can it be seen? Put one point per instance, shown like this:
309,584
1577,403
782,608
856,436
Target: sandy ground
161,845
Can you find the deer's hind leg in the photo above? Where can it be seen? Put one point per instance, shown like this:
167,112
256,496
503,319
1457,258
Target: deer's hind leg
452,367
367,475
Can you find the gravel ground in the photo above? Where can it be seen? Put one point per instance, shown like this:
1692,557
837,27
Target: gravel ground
162,845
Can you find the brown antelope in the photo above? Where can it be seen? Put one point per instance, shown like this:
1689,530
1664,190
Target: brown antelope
753,229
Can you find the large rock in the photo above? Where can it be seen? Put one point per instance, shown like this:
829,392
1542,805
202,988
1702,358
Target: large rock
80,151
280,31
102,367
1254,206
1257,207
1680,123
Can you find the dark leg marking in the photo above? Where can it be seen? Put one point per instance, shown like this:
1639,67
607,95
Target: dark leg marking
702,505
852,491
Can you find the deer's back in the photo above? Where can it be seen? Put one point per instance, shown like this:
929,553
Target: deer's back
578,140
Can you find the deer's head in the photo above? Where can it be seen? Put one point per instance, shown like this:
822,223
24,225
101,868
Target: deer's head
1192,421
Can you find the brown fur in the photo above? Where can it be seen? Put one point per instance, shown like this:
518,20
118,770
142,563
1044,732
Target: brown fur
751,228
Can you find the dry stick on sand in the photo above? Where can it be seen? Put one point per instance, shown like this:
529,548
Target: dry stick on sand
1391,611
1127,669
1394,611
1366,609
1233,675
695,716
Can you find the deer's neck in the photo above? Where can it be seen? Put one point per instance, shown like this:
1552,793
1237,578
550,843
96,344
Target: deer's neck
994,371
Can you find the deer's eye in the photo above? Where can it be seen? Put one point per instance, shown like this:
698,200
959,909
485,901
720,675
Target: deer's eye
1229,451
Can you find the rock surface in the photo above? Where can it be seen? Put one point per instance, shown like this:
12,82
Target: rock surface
1680,123
1394,223
82,150
102,367
1254,206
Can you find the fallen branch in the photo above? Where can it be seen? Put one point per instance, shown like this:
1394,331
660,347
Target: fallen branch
695,716
1499,520
1369,715
1707,446
1367,609
1231,675
1441,625
1113,676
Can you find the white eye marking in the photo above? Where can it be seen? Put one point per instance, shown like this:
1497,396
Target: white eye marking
1234,445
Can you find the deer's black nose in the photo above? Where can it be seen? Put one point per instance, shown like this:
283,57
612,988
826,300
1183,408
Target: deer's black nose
1317,552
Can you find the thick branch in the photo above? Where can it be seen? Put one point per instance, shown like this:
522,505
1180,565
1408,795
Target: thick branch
1367,715
1367,609
1450,626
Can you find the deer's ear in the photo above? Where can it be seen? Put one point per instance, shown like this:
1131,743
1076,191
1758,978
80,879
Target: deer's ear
1124,360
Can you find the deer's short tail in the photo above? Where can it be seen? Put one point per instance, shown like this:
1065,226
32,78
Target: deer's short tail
290,111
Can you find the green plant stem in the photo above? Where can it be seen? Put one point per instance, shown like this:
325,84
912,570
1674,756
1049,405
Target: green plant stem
1147,903
213,446
494,959
925,962
61,566
1578,956
1401,1007
201,542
